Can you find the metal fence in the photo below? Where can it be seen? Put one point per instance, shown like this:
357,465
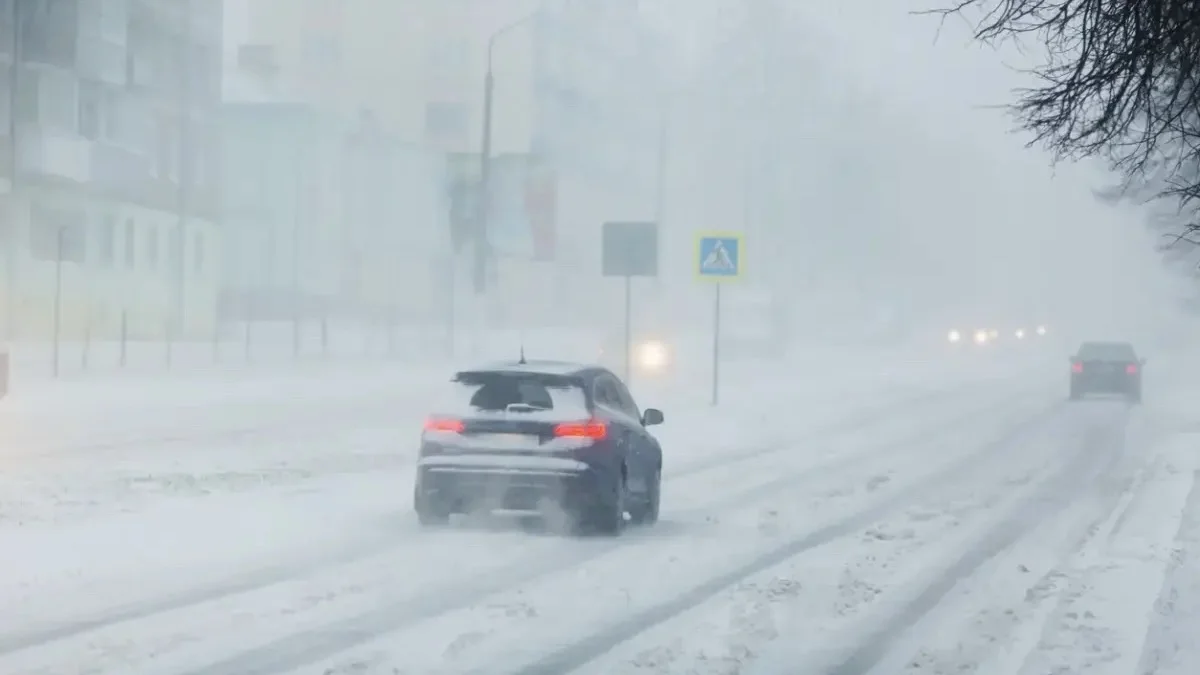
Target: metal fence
232,346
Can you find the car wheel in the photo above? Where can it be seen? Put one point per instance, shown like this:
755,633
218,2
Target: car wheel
1075,394
646,513
1135,397
429,515
608,517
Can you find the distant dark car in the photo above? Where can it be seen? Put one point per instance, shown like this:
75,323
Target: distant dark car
526,437
1107,368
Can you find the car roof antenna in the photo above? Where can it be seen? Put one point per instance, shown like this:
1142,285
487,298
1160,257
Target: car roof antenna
522,360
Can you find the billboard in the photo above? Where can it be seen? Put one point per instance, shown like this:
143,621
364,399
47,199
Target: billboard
522,208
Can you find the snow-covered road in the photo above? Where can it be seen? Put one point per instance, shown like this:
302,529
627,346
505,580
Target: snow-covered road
974,523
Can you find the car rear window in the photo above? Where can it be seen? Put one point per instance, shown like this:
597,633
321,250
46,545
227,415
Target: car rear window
518,394
1107,351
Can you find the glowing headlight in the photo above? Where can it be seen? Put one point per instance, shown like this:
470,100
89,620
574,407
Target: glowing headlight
1041,330
954,336
652,355
981,336
1020,333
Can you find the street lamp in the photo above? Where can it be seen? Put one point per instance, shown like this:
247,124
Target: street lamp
485,156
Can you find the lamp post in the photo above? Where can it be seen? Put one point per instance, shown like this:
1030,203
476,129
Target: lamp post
482,245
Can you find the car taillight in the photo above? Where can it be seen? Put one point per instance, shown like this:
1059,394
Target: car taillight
592,430
1131,369
446,424
1076,367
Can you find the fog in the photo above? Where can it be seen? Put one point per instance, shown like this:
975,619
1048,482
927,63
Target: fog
264,441
863,152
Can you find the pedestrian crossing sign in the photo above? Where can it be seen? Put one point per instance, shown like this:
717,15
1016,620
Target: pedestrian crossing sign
719,255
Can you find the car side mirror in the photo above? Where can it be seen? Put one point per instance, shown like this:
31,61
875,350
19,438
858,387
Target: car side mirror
651,417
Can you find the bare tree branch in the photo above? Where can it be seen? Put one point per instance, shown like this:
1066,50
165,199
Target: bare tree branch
1119,81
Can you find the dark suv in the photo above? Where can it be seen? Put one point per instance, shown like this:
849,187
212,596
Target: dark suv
524,437
1107,368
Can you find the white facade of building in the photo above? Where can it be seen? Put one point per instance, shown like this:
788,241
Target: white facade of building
112,215
328,216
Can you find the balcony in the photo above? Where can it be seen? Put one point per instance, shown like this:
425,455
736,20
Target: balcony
55,156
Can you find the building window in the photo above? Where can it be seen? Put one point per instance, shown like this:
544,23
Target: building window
107,241
48,31
130,243
152,247
57,233
101,59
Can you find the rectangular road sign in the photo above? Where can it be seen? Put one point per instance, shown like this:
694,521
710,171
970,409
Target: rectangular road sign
629,249
719,255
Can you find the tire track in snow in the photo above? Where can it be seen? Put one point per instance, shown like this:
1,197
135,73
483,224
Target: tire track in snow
360,551
579,654
1170,647
875,649
307,647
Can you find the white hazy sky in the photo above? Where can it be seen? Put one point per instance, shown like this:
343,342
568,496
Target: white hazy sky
1098,257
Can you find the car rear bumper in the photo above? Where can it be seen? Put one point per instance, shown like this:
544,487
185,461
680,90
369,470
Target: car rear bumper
1122,385
462,484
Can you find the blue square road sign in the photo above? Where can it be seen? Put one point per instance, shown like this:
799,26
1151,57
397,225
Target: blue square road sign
719,255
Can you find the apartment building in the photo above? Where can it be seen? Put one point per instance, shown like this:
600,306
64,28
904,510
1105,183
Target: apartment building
327,216
111,185
574,118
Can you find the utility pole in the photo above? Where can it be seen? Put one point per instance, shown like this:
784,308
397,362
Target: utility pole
11,259
483,199
483,252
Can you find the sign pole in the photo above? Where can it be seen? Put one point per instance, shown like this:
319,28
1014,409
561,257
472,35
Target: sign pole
716,345
628,326
719,258
629,249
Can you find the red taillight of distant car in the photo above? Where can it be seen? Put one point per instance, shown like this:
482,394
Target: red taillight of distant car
445,424
1131,369
1076,367
592,430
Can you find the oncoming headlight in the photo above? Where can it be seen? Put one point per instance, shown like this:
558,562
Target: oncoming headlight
954,336
981,337
652,355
